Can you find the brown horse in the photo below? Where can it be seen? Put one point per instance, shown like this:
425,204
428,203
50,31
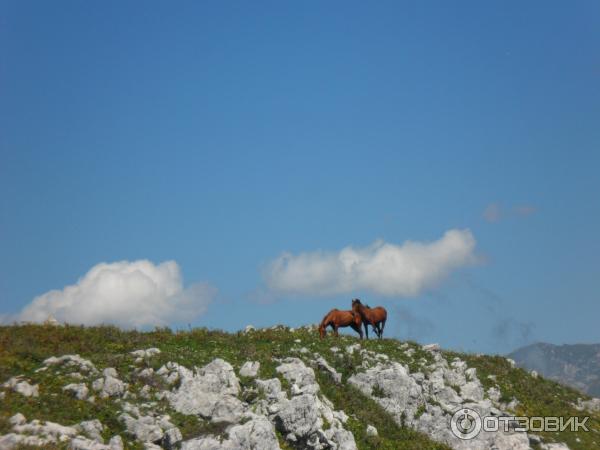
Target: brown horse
375,317
336,319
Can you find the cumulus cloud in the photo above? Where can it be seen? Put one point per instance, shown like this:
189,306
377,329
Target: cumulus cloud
382,268
128,294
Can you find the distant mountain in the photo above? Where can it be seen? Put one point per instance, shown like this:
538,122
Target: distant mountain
576,365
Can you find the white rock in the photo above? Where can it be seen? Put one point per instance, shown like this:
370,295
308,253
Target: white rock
51,321
324,366
250,369
591,405
110,372
145,392
472,391
249,328
350,349
80,391
211,392
143,428
494,394
146,374
534,374
22,387
144,354
296,372
171,438
81,443
14,440
113,387
432,347
93,429
257,433
116,443
554,446
84,365
371,430
17,419
471,373
51,429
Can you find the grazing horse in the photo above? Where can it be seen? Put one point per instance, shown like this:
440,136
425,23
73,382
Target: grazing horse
336,319
375,317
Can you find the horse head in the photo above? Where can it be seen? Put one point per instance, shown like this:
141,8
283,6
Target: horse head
322,331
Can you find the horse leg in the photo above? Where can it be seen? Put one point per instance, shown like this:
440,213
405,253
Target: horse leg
382,326
358,329
366,329
335,330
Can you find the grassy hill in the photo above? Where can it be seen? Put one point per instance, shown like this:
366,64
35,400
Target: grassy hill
24,348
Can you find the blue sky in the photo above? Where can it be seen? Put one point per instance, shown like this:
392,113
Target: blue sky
220,135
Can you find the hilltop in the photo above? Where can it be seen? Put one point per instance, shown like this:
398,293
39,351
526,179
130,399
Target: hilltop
105,388
576,365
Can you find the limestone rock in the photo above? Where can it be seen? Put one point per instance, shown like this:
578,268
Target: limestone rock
77,361
211,392
80,391
17,384
250,369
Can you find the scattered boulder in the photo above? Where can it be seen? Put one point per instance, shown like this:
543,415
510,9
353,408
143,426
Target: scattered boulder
77,361
432,347
141,355
554,446
17,384
324,366
250,369
372,431
110,385
80,391
211,392
92,428
592,405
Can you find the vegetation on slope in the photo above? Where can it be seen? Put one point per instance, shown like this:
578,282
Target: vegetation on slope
23,348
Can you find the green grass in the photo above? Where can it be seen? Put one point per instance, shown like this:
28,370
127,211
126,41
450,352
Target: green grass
23,348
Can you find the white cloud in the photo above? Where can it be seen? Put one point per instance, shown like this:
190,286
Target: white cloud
383,268
492,212
129,294
495,213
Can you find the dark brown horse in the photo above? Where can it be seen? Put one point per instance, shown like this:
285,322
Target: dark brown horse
375,317
337,319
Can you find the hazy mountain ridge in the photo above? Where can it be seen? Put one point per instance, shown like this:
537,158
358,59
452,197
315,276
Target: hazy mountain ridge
576,365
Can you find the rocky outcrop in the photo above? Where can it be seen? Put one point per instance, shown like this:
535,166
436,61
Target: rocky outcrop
211,393
256,433
427,400
83,436
21,386
302,418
